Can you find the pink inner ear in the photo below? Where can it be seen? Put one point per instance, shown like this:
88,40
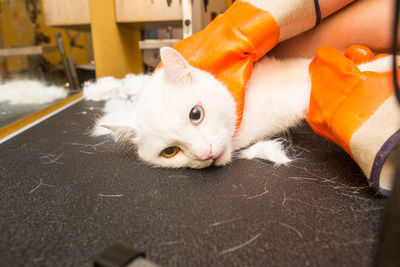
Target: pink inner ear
176,68
121,131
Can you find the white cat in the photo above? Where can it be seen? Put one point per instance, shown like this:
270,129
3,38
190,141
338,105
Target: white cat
184,117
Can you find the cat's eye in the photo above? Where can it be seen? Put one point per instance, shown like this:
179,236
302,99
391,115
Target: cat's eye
196,114
170,152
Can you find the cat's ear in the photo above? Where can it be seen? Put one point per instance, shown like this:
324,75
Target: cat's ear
176,68
121,131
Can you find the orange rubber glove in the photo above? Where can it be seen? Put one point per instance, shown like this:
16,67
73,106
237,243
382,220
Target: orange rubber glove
356,110
359,54
230,45
233,41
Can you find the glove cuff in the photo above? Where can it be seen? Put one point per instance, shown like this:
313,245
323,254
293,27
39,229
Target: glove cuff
292,16
373,145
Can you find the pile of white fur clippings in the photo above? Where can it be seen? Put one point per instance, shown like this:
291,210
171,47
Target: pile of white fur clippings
30,92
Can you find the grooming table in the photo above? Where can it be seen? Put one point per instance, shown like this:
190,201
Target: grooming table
65,196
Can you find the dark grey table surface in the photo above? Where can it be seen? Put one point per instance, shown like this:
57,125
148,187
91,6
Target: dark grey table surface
65,196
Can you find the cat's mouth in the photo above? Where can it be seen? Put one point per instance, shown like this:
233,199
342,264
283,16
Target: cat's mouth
219,159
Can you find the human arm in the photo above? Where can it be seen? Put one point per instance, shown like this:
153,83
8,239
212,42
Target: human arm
364,22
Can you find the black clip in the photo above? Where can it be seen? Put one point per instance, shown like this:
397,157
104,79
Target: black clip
118,255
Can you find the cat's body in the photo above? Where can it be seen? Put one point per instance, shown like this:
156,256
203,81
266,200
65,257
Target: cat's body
184,117
281,90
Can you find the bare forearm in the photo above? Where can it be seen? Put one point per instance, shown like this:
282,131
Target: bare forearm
329,7
365,22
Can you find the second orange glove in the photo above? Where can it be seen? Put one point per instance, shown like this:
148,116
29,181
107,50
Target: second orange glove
356,110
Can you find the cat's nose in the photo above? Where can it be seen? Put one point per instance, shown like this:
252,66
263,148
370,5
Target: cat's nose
208,155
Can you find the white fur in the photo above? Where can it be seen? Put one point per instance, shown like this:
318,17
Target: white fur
162,120
111,88
153,111
277,98
383,64
158,113
271,150
30,92
117,112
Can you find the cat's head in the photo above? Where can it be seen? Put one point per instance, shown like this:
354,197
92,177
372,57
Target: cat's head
183,117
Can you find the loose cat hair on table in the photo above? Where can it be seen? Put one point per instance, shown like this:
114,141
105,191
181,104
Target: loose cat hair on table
184,117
